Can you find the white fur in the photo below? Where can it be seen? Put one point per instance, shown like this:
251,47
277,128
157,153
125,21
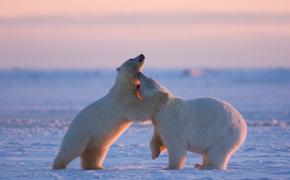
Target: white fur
98,125
206,126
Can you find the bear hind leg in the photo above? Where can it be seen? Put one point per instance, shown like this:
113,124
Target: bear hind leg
60,162
93,158
69,151
217,161
63,159
218,156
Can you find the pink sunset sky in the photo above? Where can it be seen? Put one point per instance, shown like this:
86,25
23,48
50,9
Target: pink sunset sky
59,34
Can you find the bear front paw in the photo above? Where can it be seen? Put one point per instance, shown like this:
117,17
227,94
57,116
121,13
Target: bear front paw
155,153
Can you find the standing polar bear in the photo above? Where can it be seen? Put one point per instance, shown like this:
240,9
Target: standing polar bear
98,125
206,126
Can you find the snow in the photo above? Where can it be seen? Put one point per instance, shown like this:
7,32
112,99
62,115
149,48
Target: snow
37,107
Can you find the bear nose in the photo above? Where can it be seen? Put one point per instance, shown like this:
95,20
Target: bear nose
141,58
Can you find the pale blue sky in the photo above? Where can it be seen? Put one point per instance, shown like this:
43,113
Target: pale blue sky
102,34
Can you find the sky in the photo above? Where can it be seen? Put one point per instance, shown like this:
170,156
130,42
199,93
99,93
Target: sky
86,34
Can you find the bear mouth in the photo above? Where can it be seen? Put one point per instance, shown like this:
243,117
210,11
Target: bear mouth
140,65
140,61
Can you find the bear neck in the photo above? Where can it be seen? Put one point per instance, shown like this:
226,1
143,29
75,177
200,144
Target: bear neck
121,88
123,85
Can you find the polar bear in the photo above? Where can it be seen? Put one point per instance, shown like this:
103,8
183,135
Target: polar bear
98,125
206,126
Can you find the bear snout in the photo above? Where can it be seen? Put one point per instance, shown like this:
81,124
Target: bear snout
141,58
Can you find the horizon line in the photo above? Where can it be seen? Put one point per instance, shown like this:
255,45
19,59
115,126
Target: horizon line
148,18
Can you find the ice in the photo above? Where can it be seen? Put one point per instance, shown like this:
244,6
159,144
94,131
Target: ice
37,106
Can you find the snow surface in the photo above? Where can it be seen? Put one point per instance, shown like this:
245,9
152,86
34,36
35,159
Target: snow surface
36,108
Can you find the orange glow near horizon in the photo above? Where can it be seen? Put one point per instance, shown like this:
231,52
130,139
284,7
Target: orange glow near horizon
35,7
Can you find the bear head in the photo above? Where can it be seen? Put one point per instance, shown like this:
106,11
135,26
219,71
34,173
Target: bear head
128,71
149,86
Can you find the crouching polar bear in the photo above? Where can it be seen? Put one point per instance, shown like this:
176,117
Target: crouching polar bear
206,126
98,125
